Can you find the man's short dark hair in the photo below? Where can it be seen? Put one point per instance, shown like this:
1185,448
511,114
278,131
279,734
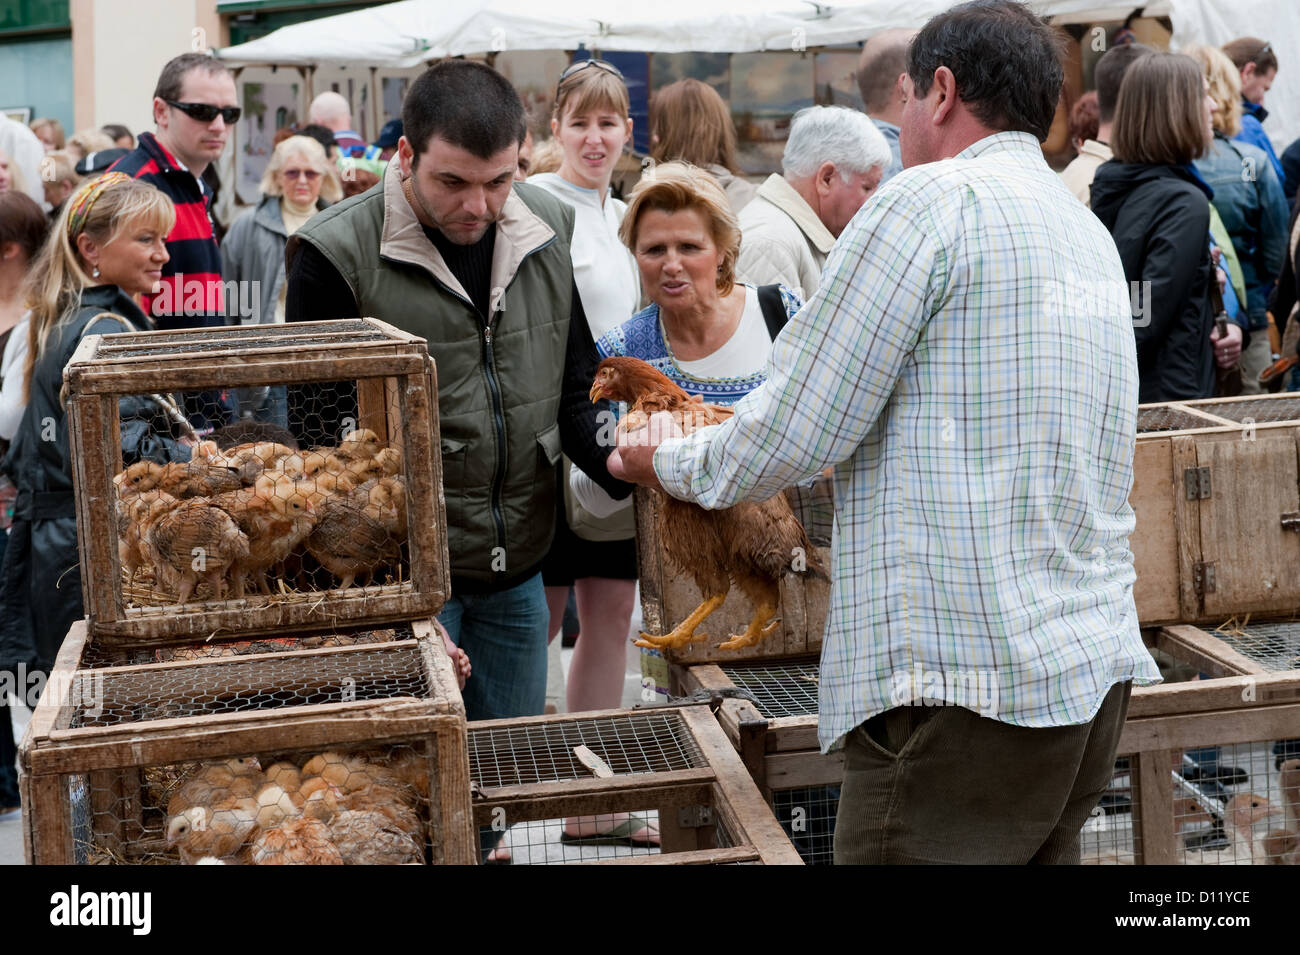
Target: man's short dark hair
1006,62
469,104
1109,73
322,134
173,74
1249,49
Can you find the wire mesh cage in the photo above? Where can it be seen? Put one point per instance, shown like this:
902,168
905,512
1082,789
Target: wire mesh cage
1274,646
550,790
306,750
254,478
1157,418
672,600
1258,408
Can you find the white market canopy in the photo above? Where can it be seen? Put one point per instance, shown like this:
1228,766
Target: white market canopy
411,32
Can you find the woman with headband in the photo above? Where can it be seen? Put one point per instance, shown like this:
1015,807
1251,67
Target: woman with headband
106,247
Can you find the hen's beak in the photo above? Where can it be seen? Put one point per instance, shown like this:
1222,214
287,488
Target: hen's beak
597,391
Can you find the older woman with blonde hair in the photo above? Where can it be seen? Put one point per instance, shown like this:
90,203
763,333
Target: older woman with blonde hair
707,332
690,123
106,248
1249,201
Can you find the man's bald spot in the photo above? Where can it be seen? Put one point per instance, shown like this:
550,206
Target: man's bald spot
329,109
884,56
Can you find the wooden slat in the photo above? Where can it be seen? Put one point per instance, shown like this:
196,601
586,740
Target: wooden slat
48,815
232,734
316,653
340,609
1212,728
1188,521
263,369
792,734
650,566
698,857
451,799
808,768
1154,808
58,687
1204,651
736,796
95,447
1155,540
1237,692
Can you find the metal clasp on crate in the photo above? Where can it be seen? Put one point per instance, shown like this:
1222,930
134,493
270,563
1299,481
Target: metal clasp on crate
1203,576
1291,521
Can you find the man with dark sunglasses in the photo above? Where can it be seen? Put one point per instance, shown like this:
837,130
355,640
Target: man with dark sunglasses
194,109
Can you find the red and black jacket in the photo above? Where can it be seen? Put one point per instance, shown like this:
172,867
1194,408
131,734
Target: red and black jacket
191,292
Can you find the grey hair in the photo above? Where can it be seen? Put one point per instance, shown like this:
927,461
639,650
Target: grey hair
836,134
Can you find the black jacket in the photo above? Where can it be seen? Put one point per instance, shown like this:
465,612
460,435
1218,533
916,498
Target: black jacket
40,583
1159,217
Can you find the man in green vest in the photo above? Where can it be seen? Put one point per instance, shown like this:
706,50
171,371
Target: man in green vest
450,248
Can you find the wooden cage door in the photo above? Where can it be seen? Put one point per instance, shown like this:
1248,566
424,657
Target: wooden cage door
1250,558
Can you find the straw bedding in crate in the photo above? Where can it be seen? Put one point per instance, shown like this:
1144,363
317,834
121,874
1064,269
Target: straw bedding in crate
336,516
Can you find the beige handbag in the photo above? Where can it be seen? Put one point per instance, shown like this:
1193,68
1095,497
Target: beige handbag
617,527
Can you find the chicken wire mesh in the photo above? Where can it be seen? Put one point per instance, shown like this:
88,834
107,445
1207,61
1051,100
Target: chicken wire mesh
778,690
1258,410
807,815
567,841
544,752
96,655
1236,804
1274,646
1151,420
231,685
350,806
290,491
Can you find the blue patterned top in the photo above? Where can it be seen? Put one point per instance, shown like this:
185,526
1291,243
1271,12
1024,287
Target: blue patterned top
642,336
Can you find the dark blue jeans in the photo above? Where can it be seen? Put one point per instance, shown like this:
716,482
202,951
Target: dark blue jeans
504,634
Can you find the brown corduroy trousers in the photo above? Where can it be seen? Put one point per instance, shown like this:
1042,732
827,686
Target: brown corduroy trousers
941,784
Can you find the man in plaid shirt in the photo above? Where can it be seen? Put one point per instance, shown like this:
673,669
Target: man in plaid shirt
968,366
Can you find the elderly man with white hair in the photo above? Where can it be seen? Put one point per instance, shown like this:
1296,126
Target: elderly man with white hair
332,111
833,162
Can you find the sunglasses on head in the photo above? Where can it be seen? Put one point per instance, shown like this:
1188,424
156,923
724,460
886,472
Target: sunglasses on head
206,113
583,64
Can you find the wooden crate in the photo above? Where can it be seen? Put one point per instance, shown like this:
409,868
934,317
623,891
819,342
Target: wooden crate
667,598
1216,491
674,760
776,732
393,380
105,744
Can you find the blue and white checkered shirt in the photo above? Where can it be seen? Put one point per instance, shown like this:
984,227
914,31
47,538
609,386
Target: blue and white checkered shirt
968,365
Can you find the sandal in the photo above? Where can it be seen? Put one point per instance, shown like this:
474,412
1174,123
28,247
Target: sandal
621,835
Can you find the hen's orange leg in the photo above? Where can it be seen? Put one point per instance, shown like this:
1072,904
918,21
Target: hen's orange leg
755,631
684,632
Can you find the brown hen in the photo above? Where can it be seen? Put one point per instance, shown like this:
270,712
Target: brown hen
191,542
276,515
753,545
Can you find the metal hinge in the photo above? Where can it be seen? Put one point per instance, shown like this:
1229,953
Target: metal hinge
1203,577
1291,521
694,817
1197,483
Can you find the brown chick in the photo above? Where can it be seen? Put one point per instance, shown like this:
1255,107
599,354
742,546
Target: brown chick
347,773
191,542
135,511
222,829
185,479
250,460
373,837
384,501
275,515
300,841
214,781
348,542
395,802
321,800
753,545
360,445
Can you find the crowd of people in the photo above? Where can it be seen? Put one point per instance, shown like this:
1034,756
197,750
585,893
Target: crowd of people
522,266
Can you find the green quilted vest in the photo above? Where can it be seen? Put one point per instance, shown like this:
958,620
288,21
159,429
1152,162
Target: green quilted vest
498,387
